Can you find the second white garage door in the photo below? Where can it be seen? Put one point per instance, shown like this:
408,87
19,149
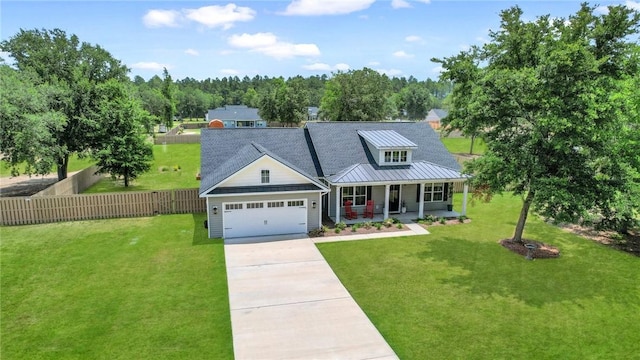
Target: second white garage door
260,218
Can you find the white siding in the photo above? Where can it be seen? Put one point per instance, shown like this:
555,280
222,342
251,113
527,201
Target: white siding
279,174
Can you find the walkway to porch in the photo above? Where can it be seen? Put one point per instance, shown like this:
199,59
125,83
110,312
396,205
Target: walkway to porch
405,218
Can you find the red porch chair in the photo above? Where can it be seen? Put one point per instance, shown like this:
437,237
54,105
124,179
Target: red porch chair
348,211
368,210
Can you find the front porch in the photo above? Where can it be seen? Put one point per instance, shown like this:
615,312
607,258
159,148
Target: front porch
407,217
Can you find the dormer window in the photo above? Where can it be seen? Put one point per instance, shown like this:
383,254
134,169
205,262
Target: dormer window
399,156
264,176
389,147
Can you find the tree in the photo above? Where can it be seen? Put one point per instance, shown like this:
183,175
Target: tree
27,123
285,103
74,70
168,92
357,95
545,102
416,101
125,153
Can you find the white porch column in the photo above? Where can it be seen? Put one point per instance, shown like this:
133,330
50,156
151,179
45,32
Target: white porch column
421,203
465,191
338,190
385,213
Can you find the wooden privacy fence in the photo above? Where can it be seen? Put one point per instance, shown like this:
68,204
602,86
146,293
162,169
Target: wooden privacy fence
46,209
177,139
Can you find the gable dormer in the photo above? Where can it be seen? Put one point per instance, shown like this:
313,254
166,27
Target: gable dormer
388,147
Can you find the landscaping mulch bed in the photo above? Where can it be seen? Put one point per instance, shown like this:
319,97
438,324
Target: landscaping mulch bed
628,242
331,230
542,250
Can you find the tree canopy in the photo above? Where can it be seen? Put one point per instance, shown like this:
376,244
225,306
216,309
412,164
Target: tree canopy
73,69
357,95
550,97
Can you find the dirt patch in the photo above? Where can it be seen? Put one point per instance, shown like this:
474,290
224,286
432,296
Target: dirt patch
625,242
25,186
541,251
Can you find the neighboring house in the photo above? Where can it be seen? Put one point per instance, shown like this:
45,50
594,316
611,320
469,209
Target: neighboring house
279,181
236,116
435,116
312,113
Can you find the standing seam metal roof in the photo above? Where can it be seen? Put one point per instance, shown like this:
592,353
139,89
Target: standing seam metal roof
384,139
417,171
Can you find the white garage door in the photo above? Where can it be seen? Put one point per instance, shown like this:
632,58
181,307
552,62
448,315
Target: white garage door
259,218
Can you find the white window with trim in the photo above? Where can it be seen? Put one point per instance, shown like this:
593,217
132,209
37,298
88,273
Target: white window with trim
433,192
295,203
237,206
396,156
356,194
264,176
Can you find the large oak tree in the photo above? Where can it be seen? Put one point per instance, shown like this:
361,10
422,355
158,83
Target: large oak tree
548,97
73,69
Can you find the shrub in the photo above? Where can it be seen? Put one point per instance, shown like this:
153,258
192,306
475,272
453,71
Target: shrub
399,225
341,225
337,230
378,226
319,232
367,225
388,222
396,220
443,221
163,168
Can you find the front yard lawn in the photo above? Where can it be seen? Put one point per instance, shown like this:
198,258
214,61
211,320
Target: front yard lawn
463,145
458,294
143,288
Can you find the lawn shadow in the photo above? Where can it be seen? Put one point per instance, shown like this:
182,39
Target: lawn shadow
200,233
490,269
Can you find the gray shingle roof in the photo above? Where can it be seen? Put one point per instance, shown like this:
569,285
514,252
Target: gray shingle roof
338,145
234,112
333,150
417,171
386,139
225,151
437,114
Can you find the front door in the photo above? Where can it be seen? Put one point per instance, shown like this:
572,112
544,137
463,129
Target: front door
394,199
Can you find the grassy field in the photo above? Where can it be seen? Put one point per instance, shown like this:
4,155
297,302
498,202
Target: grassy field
145,288
462,145
75,164
174,167
457,294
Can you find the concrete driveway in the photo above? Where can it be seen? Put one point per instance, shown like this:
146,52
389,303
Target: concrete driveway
286,303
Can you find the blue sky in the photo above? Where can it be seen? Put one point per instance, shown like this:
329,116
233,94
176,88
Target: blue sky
214,39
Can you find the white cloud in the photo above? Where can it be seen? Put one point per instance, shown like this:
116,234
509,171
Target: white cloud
151,65
230,71
268,44
326,7
635,5
602,9
402,54
326,67
437,70
413,38
399,4
160,18
465,47
220,16
210,16
424,1
192,52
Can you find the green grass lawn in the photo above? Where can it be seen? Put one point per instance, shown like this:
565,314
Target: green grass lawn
75,164
462,145
144,288
174,167
458,294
